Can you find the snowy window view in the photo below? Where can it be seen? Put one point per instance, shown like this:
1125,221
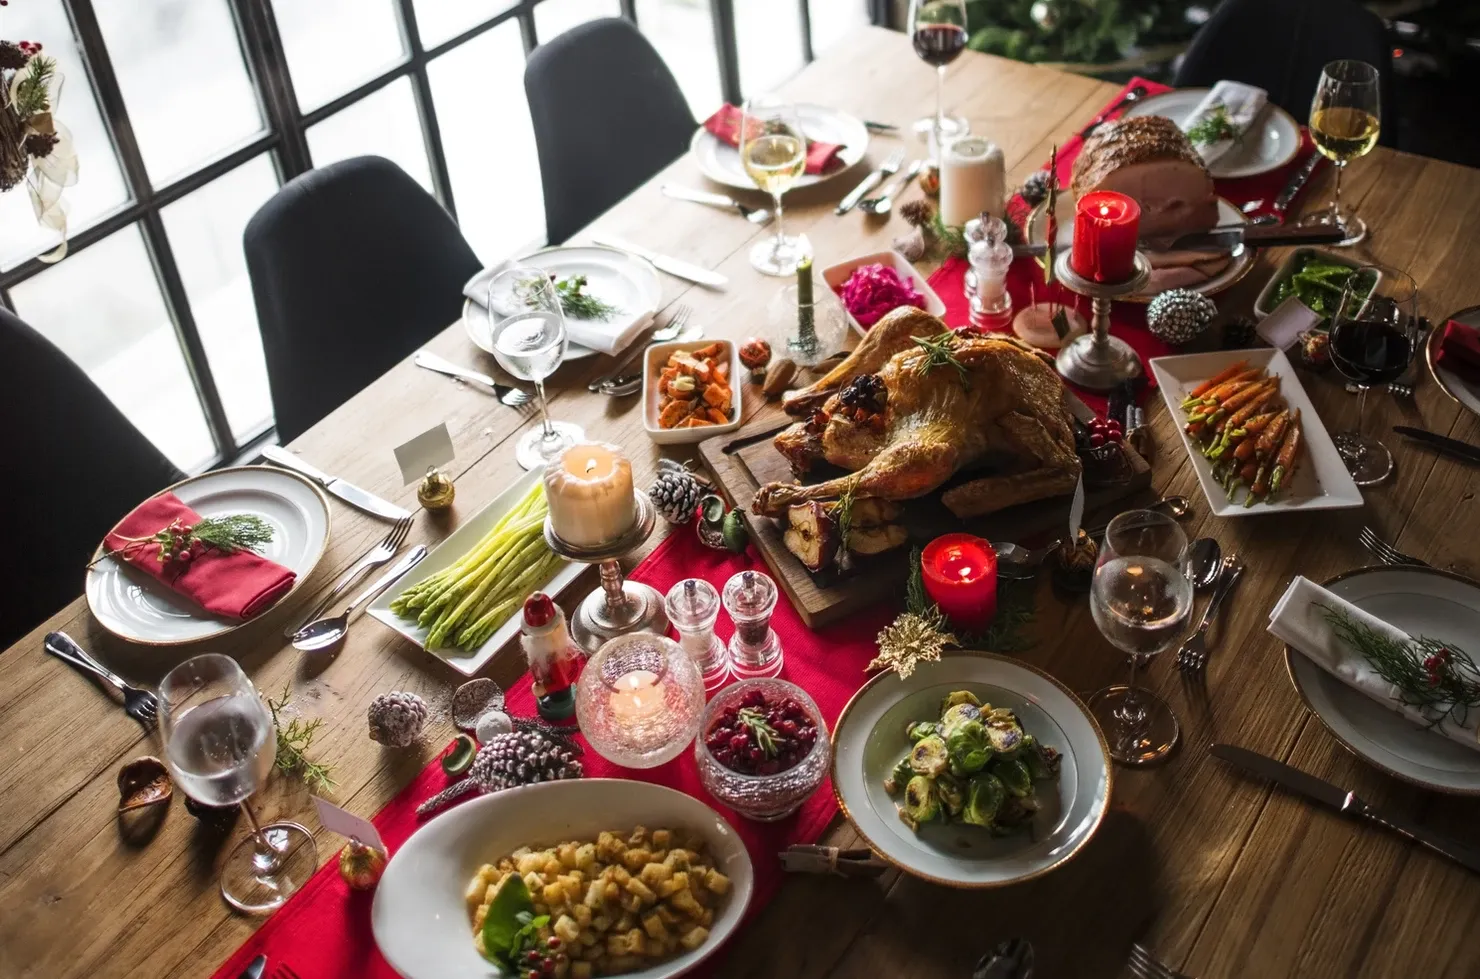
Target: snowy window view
190,100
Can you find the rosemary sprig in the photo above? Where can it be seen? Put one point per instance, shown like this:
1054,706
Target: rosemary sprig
182,541
33,91
1214,127
765,735
949,239
293,743
938,353
842,514
1436,677
581,304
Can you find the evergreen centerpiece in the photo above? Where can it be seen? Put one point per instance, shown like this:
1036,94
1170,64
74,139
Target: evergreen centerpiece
34,147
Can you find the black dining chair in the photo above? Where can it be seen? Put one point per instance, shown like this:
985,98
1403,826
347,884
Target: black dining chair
1281,46
78,467
353,267
607,116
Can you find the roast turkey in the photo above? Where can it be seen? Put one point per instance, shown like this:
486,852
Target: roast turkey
1150,159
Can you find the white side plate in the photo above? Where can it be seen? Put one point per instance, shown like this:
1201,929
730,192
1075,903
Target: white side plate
446,554
1274,141
421,922
1320,483
136,607
720,162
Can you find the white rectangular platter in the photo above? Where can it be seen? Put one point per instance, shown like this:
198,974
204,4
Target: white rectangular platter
444,555
1321,482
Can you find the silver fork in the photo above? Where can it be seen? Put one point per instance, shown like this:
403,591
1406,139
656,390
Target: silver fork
1193,656
374,558
138,703
676,323
283,971
511,396
1387,553
1144,965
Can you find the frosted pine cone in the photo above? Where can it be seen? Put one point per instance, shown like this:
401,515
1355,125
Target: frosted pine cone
676,495
396,719
520,758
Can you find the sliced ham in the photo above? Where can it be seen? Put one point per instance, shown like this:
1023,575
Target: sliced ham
1188,276
1150,159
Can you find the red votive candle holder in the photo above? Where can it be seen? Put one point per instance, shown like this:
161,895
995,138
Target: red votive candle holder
960,575
1106,227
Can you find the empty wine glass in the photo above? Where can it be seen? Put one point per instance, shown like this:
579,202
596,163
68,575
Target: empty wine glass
773,151
527,325
1141,599
1345,120
219,744
938,32
1374,336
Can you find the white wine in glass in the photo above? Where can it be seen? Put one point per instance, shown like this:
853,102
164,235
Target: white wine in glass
773,151
1345,121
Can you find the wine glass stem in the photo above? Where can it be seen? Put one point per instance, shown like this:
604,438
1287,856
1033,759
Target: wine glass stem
1336,197
940,106
546,431
267,855
780,240
1362,413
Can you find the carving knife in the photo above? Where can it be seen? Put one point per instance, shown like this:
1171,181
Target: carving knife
1229,239
1345,802
672,266
1442,444
348,492
1297,183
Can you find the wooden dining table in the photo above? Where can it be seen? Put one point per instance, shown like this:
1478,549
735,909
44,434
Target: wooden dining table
1221,875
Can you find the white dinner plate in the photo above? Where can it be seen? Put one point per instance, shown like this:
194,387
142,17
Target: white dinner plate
1272,142
421,922
869,739
1461,390
136,607
1421,602
1321,482
448,553
720,161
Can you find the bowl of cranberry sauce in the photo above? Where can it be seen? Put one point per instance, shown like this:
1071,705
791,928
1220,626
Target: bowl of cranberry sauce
762,748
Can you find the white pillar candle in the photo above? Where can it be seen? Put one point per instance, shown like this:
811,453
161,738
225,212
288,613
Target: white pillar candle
973,180
589,491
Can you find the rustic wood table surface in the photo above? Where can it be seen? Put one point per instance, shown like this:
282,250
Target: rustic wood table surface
1222,875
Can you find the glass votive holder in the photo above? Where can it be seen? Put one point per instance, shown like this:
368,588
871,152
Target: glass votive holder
693,606
738,772
750,598
639,700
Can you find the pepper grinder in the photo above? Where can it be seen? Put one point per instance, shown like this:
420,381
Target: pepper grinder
750,598
693,607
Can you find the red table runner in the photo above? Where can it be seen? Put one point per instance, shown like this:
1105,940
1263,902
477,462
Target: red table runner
323,932
1127,320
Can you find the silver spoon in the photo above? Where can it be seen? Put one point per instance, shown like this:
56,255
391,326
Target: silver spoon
325,632
1010,959
1018,563
618,387
1204,562
881,204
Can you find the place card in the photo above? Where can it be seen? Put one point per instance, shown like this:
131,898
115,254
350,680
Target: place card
429,449
345,823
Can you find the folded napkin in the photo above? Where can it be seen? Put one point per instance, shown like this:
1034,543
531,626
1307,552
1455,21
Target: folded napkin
1241,104
1459,351
725,126
1299,620
606,336
237,585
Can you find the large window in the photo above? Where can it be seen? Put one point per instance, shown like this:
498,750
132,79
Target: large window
188,114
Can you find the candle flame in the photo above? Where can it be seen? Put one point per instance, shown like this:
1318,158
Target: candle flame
591,464
1104,211
966,572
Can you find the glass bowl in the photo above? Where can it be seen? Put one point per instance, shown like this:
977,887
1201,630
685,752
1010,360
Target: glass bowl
639,699
764,798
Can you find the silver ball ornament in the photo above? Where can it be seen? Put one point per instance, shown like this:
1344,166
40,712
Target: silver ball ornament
1179,316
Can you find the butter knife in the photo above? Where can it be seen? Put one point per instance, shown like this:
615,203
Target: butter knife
672,266
1297,183
1346,803
886,169
1442,444
346,491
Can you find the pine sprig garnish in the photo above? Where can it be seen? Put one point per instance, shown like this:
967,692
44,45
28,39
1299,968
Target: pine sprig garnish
949,239
938,353
1212,128
842,514
33,91
754,719
1436,677
577,302
293,743
183,542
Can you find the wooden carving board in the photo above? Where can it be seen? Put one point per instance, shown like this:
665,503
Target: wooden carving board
745,460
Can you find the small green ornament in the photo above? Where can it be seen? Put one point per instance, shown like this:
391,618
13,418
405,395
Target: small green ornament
458,757
735,534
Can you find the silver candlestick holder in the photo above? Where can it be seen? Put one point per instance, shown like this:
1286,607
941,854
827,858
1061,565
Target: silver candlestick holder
1097,360
617,606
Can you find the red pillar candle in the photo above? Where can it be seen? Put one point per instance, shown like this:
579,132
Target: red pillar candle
1106,225
960,575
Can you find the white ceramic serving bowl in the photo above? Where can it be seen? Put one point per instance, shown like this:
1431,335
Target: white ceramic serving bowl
1265,303
836,275
652,362
420,919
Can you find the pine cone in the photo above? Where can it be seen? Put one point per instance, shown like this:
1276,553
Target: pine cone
917,212
11,56
676,494
40,145
520,758
396,719
1239,333
1035,188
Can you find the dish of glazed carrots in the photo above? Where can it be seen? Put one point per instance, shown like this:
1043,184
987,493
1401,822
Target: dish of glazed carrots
694,388
1243,426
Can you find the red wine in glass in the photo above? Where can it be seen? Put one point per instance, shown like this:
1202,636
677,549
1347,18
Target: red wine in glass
1371,351
939,44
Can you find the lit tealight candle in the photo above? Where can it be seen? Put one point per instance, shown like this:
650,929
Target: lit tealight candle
589,492
1106,226
636,697
960,575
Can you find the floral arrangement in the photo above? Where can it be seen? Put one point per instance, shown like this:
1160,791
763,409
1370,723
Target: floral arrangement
34,147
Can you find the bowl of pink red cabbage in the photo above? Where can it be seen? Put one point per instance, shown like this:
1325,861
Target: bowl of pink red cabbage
874,290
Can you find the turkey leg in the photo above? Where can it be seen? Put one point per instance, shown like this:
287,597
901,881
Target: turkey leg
902,471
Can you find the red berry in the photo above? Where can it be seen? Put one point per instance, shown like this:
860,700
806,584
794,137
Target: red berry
1116,437
753,698
552,942
739,743
1096,440
533,955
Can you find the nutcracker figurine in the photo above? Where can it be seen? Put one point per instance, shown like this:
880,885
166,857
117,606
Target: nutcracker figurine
554,661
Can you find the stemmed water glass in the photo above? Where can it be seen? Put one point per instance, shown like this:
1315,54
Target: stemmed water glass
1374,336
938,32
1141,599
773,151
527,325
1345,119
219,744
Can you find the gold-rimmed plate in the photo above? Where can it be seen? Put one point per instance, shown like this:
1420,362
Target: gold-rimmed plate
1271,143
1459,389
1421,602
869,739
136,607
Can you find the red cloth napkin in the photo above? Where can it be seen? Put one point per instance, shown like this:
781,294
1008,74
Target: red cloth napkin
725,125
235,586
323,932
1459,351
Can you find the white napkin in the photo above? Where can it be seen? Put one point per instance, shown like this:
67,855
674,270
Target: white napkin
1243,104
608,337
1298,620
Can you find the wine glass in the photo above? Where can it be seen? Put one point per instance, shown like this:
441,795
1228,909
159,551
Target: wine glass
219,744
938,32
1345,118
773,150
1374,336
1141,599
527,325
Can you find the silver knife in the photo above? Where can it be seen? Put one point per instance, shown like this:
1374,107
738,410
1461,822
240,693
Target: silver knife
429,360
348,492
886,169
1442,444
254,968
1345,802
672,266
1227,239
1297,183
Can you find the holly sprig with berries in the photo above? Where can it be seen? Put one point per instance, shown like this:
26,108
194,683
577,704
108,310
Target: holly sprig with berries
517,938
1438,678
184,542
